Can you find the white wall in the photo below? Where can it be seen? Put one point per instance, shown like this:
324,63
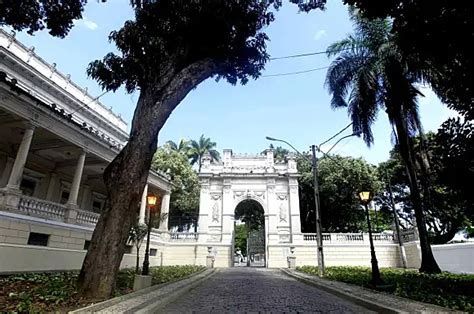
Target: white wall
455,258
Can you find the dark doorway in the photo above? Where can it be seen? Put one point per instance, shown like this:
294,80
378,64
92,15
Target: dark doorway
249,234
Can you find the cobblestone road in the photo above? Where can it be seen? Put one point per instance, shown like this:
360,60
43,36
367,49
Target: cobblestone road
257,290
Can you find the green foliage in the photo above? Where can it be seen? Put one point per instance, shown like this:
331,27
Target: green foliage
185,190
168,36
34,15
340,180
241,234
201,147
49,292
448,201
420,28
164,274
252,213
445,289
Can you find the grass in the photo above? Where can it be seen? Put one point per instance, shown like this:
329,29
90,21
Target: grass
455,291
56,292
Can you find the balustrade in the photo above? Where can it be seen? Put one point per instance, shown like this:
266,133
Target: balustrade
349,237
41,208
86,217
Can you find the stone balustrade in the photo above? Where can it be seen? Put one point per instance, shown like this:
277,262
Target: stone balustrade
40,208
87,217
349,237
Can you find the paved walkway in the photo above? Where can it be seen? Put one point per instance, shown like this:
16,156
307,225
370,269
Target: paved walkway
256,290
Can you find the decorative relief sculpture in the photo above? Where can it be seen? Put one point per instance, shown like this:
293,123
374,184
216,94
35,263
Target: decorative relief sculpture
283,214
215,212
294,189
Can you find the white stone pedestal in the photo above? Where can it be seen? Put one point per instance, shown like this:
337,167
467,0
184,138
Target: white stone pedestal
141,282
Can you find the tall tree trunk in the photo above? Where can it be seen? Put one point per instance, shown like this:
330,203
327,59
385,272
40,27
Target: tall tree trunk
428,262
126,176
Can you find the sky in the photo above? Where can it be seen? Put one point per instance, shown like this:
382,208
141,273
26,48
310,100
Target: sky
295,108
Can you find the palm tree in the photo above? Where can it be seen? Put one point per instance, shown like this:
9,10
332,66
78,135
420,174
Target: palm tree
372,75
200,148
182,147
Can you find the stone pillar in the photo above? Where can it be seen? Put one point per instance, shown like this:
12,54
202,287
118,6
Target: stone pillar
76,181
6,171
165,208
295,221
141,216
53,178
20,160
86,198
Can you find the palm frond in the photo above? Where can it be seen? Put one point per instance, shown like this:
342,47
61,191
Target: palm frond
339,77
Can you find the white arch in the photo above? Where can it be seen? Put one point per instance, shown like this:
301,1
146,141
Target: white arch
250,197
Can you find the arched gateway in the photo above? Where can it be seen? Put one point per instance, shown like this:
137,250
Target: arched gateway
237,178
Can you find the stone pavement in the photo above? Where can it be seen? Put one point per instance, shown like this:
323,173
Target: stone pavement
253,290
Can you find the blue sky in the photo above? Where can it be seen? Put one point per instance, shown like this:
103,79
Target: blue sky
295,107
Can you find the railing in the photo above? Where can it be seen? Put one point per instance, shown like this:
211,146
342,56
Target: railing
349,237
86,217
41,208
183,236
409,235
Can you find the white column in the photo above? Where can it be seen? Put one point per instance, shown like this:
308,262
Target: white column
51,186
141,217
165,208
20,160
86,198
76,181
6,171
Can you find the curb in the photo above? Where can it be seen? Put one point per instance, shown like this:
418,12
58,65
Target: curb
394,304
114,301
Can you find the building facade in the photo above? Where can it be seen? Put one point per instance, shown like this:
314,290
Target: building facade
55,142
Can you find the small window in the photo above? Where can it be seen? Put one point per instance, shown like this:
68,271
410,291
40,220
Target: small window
64,197
27,186
153,252
87,243
128,249
97,206
40,239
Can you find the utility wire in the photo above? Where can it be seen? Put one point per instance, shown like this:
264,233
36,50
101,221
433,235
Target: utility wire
296,72
301,55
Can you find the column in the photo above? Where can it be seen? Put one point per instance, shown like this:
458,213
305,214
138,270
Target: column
51,186
20,160
141,216
76,182
165,208
6,171
86,198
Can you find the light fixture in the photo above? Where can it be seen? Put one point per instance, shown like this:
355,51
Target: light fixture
364,196
151,199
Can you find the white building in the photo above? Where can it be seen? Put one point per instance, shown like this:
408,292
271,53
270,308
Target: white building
55,142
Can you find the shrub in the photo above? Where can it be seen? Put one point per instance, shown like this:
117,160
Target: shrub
455,291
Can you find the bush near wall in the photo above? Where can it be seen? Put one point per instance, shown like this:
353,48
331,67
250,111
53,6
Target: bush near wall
56,292
455,291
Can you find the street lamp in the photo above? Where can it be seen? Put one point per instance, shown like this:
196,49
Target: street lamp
151,201
376,280
319,237
314,166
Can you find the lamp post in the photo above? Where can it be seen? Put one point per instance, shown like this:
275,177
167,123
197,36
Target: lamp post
376,279
151,201
314,166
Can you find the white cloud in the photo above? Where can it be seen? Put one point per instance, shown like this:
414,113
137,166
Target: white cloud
87,23
320,34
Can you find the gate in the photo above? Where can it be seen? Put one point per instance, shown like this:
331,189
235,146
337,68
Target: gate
256,248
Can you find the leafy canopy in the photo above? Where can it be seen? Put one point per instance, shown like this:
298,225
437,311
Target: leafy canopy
34,15
167,36
185,190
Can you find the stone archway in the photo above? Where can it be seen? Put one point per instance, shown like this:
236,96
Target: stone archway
236,178
249,234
